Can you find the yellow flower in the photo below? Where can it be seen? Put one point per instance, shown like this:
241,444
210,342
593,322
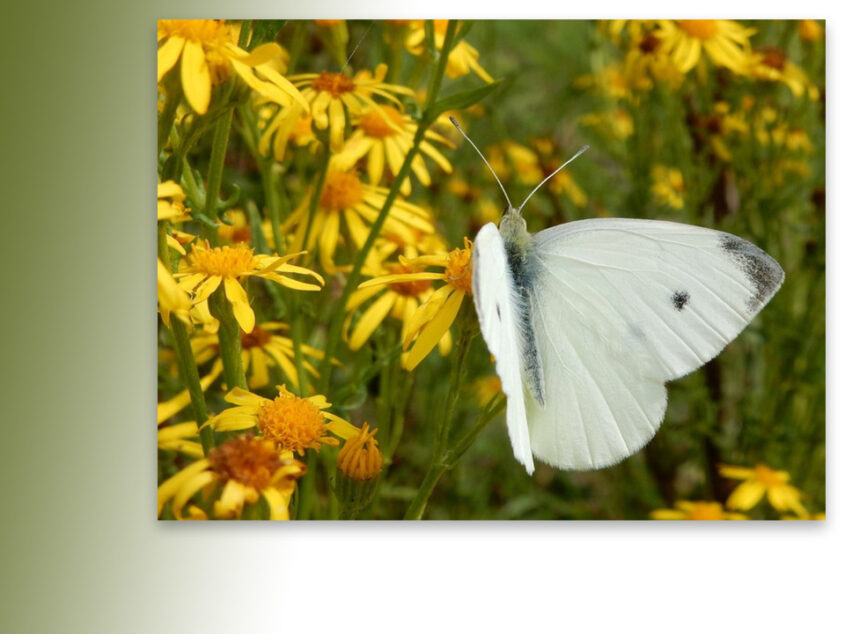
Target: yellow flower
179,437
810,30
685,510
261,349
770,64
463,58
398,299
726,43
239,230
385,135
239,470
562,182
647,61
431,321
207,268
171,207
172,299
616,123
360,457
280,126
208,54
293,423
667,186
332,95
345,197
486,388
760,481
610,81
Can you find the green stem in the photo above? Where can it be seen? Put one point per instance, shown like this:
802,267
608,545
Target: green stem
439,463
167,116
185,357
219,142
229,335
336,323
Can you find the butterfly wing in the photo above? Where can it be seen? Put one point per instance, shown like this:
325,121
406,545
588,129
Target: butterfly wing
621,306
493,289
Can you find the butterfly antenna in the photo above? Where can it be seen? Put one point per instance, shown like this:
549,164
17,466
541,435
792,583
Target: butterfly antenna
455,123
577,154
356,47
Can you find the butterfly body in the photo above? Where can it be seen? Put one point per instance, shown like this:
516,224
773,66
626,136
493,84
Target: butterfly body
588,321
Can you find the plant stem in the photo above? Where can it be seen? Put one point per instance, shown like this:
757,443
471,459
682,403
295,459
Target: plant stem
219,142
336,323
185,357
229,335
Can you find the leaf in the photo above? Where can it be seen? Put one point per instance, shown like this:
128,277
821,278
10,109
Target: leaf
462,99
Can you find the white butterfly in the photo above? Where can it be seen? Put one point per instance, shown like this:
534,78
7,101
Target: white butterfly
588,320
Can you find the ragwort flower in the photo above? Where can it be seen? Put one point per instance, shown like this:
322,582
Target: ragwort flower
759,481
345,197
208,53
701,510
431,321
667,186
207,268
771,64
240,470
360,457
293,423
726,43
384,135
332,95
463,58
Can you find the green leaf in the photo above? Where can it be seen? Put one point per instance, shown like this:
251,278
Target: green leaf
463,99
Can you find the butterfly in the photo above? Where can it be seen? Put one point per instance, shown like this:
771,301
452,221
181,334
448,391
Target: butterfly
588,320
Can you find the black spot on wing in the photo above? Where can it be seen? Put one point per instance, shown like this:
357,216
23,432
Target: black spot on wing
680,299
761,269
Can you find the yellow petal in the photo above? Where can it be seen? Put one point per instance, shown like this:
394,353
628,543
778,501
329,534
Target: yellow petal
196,78
170,408
260,55
340,427
400,277
277,503
169,487
168,55
746,495
434,330
206,288
370,320
240,304
231,500
240,396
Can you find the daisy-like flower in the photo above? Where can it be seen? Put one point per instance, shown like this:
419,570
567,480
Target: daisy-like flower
770,64
685,510
360,458
384,135
345,197
647,61
207,268
725,42
293,423
207,52
172,299
281,126
332,95
667,186
759,481
239,471
261,349
463,58
431,321
400,300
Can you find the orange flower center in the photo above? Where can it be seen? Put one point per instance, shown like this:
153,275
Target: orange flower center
459,268
706,511
215,32
360,457
408,289
768,477
248,460
342,190
335,83
258,338
327,23
700,29
773,57
649,43
223,261
293,423
374,123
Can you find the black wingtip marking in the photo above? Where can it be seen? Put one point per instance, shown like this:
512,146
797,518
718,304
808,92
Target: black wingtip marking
680,299
499,311
759,267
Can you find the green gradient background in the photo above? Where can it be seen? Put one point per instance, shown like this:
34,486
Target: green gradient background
81,550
